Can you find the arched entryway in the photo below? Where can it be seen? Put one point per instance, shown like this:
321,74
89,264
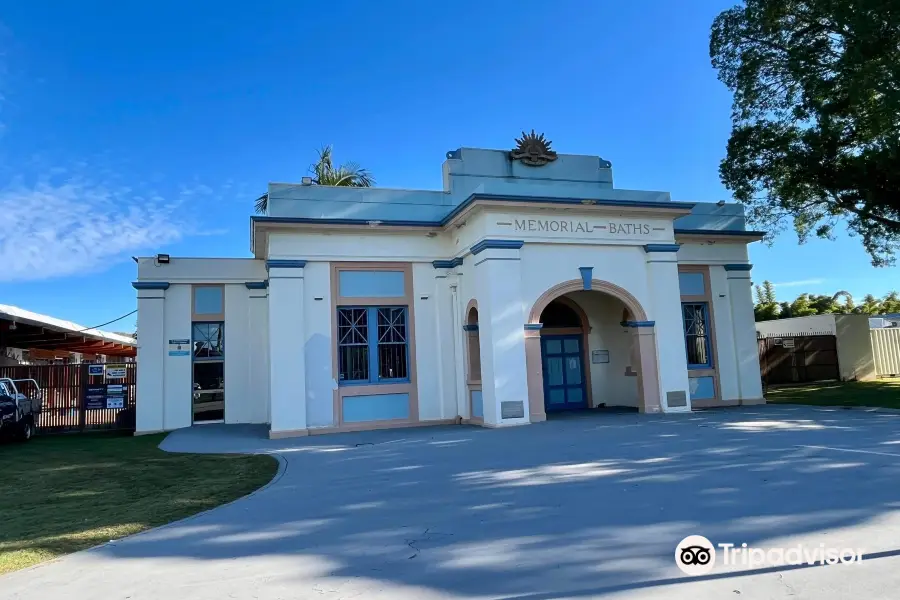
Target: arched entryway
557,349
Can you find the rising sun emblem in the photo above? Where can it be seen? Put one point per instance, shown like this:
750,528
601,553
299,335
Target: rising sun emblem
533,150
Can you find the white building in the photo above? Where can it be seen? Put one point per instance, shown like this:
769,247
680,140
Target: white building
517,291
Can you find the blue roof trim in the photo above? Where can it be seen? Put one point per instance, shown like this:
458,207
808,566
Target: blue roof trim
325,221
661,247
638,323
468,202
720,232
256,285
150,285
533,326
285,264
447,264
739,267
496,245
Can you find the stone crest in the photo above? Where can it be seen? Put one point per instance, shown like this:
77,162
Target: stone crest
533,150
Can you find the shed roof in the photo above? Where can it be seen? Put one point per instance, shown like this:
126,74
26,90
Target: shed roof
20,328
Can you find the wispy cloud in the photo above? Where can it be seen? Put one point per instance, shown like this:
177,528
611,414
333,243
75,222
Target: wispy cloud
52,229
799,283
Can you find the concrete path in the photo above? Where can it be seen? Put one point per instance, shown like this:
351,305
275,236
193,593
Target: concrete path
584,507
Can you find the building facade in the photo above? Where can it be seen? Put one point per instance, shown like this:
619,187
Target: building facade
529,285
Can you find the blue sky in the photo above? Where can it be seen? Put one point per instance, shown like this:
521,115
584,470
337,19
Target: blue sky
130,129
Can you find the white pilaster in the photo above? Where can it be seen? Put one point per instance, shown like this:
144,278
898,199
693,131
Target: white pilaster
151,352
501,319
744,332
287,339
665,311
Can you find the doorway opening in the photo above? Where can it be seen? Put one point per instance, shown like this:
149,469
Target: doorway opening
563,348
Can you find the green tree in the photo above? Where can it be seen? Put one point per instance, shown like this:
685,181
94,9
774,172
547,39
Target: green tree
801,307
767,307
890,303
815,134
324,172
848,306
870,306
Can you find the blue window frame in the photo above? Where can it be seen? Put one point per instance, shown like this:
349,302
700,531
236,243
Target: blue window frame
695,316
373,344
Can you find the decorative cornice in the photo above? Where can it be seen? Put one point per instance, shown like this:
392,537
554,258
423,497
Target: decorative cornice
447,264
739,267
285,264
638,323
731,232
533,326
256,285
661,247
150,285
496,245
470,327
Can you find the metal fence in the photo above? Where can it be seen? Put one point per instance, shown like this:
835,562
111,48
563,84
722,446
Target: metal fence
886,348
66,405
798,358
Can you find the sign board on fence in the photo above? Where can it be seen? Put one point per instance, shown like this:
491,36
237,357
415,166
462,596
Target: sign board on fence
180,347
95,370
115,371
788,343
104,395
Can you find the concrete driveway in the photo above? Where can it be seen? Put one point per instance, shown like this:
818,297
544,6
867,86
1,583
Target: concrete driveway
583,507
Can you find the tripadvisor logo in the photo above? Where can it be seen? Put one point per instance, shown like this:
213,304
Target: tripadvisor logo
696,555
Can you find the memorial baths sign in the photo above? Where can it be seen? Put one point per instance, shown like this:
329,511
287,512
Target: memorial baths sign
635,228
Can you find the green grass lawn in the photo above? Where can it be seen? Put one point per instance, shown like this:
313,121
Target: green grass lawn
59,494
883,393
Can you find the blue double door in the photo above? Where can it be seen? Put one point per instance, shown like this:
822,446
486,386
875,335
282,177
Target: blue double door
564,379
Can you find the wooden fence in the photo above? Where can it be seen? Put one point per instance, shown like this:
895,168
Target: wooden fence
886,348
798,358
63,392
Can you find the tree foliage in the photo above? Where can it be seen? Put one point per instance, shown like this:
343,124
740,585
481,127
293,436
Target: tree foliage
324,172
768,308
815,134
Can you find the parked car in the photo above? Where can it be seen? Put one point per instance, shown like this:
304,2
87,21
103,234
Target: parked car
18,411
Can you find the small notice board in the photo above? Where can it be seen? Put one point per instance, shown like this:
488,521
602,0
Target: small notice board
105,395
180,347
115,371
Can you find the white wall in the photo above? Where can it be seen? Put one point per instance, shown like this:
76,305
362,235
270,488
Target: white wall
712,252
151,368
856,356
389,245
244,402
320,383
609,384
546,265
178,369
726,355
428,350
202,270
258,343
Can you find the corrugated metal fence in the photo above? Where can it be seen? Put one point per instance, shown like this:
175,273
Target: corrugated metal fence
886,347
64,390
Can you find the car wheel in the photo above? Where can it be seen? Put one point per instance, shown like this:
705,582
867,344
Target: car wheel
27,430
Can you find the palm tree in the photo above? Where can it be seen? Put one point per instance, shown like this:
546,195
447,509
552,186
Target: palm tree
324,172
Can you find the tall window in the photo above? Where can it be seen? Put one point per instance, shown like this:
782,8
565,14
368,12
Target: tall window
208,343
373,344
696,334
